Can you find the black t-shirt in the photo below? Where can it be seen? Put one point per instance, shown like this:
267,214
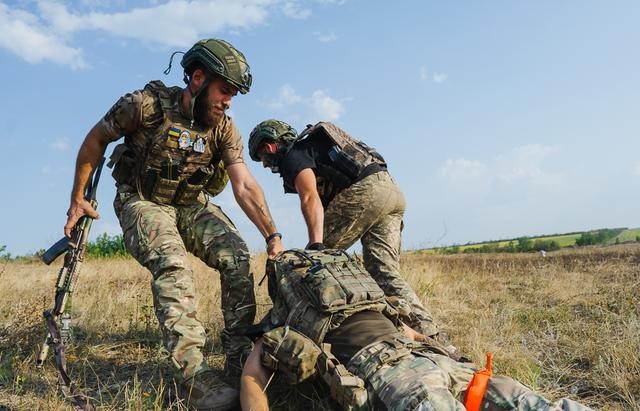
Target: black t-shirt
307,153
313,152
358,331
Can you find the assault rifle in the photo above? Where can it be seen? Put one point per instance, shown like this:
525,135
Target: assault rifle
58,336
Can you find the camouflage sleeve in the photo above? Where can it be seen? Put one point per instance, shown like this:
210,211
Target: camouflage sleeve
230,143
128,114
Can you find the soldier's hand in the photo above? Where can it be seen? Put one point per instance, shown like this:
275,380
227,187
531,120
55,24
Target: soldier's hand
76,210
274,247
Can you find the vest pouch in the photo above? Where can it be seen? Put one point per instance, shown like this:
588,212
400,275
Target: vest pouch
189,189
159,189
163,190
346,389
291,353
187,194
357,284
124,165
323,289
332,286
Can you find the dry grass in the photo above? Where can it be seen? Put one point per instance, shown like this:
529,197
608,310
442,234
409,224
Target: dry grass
567,325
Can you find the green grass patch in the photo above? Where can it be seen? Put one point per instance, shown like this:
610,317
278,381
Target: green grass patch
631,234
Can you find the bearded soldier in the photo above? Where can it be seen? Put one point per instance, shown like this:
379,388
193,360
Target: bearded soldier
331,320
180,148
346,194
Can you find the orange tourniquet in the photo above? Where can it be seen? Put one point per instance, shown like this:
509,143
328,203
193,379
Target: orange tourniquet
477,387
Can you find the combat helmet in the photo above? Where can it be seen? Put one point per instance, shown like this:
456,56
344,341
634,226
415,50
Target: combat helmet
221,58
270,130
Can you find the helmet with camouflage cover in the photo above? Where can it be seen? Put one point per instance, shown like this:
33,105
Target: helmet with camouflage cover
221,58
270,130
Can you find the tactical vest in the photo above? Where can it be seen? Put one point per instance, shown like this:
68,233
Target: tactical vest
315,291
177,162
349,159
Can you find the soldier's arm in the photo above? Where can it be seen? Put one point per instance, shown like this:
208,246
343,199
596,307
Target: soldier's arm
90,153
413,334
253,382
312,210
250,198
123,117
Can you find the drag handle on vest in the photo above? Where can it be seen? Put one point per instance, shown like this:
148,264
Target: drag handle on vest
477,387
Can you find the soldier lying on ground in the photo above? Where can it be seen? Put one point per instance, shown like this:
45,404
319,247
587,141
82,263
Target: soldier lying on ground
332,320
346,194
180,147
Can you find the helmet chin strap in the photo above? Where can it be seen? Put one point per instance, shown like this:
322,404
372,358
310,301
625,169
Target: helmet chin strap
194,95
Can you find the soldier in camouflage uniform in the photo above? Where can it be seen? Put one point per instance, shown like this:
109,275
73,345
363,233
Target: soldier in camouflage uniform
180,148
331,320
346,194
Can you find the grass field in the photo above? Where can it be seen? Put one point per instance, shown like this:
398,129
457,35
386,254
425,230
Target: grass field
567,324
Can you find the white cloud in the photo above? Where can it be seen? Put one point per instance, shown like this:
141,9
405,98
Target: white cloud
24,35
636,170
326,37
193,18
524,162
424,74
325,107
436,77
294,10
440,77
286,96
60,144
48,34
463,169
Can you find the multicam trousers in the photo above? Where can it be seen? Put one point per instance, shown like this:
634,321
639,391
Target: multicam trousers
371,210
158,236
400,379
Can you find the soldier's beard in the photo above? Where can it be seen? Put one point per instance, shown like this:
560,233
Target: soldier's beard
203,111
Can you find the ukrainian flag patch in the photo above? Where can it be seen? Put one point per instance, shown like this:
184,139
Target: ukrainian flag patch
174,132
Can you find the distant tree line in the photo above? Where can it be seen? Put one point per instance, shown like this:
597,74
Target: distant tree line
598,237
520,245
4,255
528,244
106,246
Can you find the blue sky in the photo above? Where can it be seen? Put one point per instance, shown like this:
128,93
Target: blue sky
498,118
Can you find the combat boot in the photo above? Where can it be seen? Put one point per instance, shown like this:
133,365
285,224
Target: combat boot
237,349
233,364
206,392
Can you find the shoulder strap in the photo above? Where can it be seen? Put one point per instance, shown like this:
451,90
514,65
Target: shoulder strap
158,88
